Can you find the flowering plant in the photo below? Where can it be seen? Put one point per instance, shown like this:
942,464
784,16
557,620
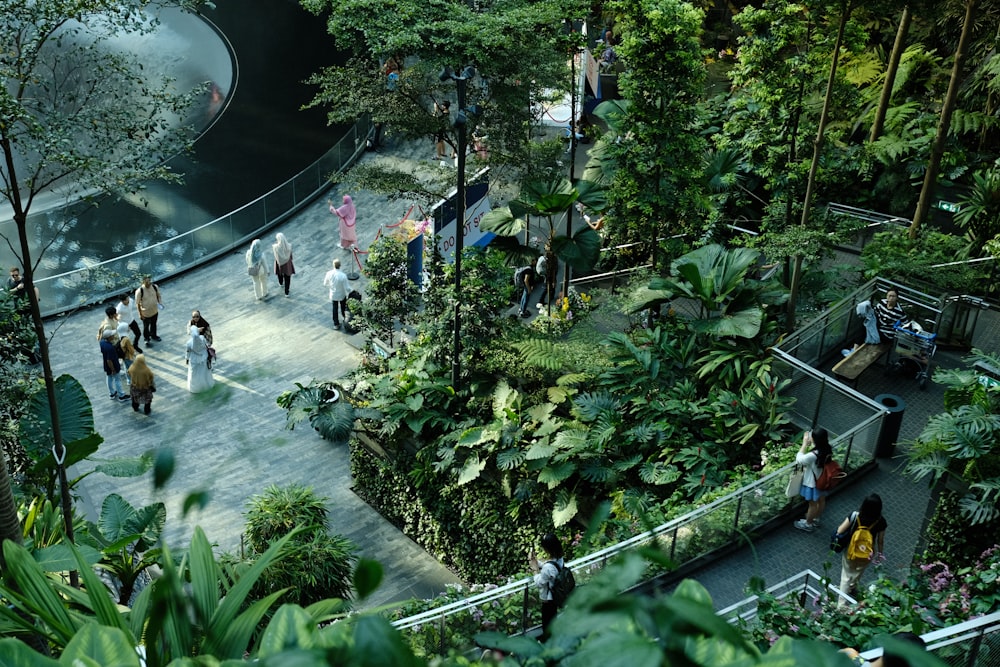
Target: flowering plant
565,311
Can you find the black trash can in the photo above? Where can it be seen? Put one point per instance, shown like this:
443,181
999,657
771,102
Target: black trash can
896,406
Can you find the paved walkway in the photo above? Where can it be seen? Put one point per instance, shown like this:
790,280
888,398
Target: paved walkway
232,440
787,551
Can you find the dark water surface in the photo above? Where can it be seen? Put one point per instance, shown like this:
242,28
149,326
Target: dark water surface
260,141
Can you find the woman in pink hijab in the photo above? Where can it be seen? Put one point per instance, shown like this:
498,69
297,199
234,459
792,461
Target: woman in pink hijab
348,216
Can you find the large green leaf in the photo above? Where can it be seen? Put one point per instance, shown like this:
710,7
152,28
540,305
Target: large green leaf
148,522
290,627
115,515
581,251
16,652
76,417
613,113
502,222
471,470
60,558
743,324
593,195
335,421
76,451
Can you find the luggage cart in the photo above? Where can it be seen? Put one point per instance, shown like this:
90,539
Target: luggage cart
913,348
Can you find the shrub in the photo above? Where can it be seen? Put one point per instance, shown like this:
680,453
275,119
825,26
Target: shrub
314,565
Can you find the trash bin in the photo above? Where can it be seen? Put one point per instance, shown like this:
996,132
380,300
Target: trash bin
896,406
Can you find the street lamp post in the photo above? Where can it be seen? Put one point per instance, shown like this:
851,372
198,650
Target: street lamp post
461,121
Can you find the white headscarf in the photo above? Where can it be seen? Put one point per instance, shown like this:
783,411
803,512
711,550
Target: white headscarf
197,342
254,254
282,249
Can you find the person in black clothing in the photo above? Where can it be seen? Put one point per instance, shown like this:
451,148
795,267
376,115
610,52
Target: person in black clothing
545,576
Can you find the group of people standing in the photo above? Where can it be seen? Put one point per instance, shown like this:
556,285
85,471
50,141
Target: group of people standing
814,453
124,362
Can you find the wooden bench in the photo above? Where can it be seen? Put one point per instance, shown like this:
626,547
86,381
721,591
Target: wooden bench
854,364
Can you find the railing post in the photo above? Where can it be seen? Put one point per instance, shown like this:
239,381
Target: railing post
673,543
805,591
973,652
819,401
441,648
736,518
524,611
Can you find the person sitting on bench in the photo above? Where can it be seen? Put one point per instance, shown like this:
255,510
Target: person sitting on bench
887,313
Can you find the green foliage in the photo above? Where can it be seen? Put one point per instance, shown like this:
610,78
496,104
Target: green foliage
423,39
127,537
979,212
392,297
325,405
657,155
313,564
894,255
962,441
547,199
716,278
465,526
950,540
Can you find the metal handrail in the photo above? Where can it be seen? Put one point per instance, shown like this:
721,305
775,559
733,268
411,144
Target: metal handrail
359,132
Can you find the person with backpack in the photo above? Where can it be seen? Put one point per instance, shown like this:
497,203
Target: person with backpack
814,453
867,540
149,304
524,278
555,581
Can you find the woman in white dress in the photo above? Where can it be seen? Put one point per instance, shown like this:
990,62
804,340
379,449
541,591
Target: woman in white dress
258,268
199,374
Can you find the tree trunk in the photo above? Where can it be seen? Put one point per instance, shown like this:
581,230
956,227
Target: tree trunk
927,192
58,451
890,75
793,289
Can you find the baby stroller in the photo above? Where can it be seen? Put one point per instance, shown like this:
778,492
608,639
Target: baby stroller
913,351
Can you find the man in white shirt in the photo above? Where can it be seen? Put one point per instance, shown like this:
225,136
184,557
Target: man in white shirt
336,280
126,315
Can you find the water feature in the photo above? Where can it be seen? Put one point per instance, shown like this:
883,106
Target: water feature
254,135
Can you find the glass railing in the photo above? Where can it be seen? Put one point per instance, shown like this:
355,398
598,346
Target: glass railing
515,607
108,279
974,643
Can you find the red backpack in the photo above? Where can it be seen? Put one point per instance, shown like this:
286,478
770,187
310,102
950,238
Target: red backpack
831,476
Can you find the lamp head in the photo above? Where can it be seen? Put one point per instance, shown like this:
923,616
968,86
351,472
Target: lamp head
468,72
446,74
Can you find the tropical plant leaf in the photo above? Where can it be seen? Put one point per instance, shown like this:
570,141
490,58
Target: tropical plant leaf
60,558
565,509
581,251
125,467
509,459
290,626
100,645
116,512
554,474
501,221
471,470
541,353
76,417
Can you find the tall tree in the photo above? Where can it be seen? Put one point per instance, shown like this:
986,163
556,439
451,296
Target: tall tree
657,185
929,188
890,74
76,116
518,50
845,13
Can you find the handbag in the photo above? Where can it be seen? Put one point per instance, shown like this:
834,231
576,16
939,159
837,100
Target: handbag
253,270
794,483
838,541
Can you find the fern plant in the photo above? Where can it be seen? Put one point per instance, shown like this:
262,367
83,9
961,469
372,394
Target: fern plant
964,440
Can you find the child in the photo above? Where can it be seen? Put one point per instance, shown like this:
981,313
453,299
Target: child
126,350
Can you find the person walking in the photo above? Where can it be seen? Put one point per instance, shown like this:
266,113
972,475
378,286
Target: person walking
348,215
545,577
142,385
257,269
204,328
126,315
812,456
112,367
283,266
149,302
336,280
199,373
861,549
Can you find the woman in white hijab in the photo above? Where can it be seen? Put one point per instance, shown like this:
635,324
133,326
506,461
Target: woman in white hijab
258,269
199,374
283,266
